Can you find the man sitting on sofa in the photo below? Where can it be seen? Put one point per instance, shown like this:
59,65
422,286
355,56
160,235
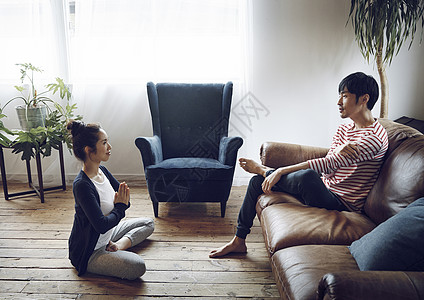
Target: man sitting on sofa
339,181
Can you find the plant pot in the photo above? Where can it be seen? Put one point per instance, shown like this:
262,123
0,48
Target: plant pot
31,117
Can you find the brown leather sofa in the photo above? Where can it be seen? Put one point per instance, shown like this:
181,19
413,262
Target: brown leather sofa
308,246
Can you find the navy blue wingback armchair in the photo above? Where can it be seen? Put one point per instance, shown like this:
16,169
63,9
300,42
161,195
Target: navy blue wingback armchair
190,157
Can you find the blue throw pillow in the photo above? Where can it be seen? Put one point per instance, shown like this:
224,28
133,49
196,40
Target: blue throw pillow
396,244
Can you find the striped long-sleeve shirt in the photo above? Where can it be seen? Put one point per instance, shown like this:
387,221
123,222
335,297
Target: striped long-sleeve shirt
352,179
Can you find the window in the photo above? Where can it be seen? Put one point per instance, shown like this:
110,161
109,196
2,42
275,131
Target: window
125,41
162,40
29,31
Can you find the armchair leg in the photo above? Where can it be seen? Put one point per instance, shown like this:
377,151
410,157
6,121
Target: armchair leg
223,206
155,208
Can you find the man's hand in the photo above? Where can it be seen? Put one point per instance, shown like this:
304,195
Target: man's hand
271,180
348,150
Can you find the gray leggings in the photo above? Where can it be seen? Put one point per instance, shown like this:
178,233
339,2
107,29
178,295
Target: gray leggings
123,264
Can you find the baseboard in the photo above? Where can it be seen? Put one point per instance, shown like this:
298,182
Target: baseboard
131,180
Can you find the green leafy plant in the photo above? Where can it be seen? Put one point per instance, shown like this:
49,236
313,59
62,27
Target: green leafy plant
381,27
31,97
43,139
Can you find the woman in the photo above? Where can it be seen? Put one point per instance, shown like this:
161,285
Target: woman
98,238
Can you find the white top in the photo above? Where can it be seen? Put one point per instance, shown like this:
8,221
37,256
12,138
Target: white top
107,196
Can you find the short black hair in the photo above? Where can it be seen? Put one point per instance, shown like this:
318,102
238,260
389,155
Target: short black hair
360,84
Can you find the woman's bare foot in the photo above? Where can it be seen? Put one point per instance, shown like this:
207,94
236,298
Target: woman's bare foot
112,247
236,245
123,244
251,166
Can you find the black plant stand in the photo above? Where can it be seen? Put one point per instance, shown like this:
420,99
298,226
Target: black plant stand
37,190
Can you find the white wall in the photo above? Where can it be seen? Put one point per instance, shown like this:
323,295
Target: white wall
301,51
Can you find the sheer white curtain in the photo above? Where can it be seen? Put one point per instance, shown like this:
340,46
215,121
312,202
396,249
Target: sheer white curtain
131,41
31,31
118,46
109,49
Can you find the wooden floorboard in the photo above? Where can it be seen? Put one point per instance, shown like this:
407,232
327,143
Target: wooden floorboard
34,263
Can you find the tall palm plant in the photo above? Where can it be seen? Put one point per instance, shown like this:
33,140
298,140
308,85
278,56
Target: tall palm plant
381,27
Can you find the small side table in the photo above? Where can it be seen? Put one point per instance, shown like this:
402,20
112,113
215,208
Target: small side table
40,190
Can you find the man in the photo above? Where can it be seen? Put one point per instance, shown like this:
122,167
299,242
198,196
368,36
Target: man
339,181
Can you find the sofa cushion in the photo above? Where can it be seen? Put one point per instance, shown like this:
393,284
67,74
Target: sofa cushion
275,198
298,270
400,181
395,245
397,133
291,224
372,285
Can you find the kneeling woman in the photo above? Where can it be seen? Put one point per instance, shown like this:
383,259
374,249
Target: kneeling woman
98,238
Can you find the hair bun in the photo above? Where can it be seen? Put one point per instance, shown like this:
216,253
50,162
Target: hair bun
75,127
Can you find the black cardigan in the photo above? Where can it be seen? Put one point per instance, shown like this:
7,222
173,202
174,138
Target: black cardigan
89,221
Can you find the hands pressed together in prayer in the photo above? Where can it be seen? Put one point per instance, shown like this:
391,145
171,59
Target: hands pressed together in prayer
123,194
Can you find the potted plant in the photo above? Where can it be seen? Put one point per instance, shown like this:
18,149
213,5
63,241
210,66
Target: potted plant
34,111
381,27
43,126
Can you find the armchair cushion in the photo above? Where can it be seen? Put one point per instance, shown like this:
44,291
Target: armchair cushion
189,163
189,180
191,170
396,244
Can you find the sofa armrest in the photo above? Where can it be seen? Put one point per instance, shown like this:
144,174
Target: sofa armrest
228,148
150,150
275,154
372,285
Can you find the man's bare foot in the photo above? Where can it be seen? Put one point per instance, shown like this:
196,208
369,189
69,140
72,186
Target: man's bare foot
236,245
251,166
